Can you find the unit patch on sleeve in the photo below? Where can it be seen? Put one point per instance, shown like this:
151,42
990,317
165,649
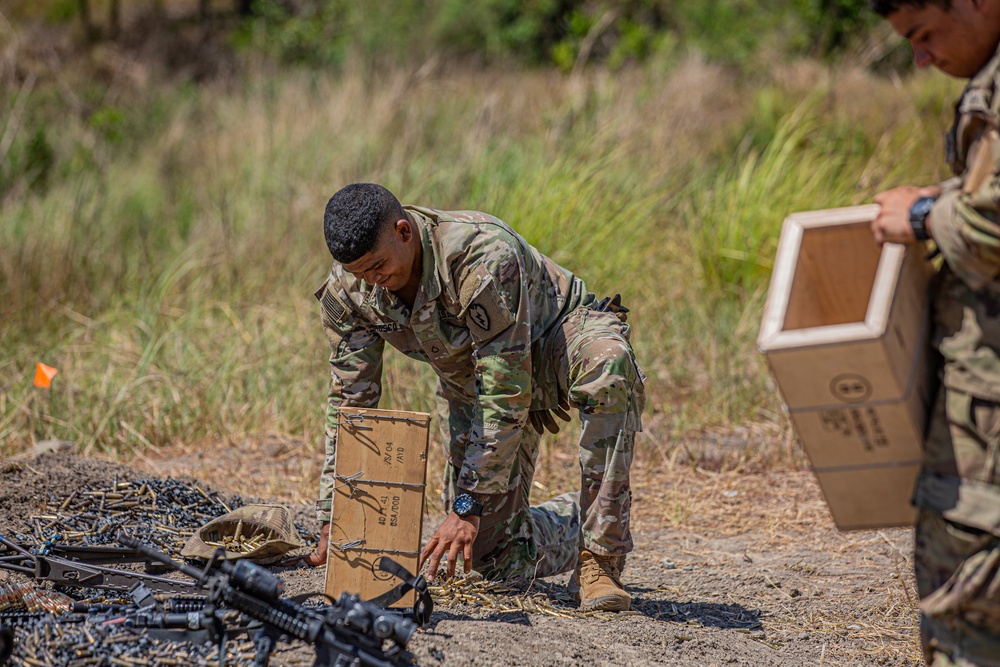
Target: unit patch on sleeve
479,316
487,313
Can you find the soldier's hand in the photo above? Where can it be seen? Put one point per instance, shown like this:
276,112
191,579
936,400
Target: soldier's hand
892,224
541,420
455,536
613,305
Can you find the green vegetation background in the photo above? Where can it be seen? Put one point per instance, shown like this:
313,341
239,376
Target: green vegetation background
162,181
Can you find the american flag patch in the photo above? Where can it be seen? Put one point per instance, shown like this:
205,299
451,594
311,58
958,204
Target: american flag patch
332,306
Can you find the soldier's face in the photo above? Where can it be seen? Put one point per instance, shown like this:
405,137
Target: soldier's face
958,41
392,264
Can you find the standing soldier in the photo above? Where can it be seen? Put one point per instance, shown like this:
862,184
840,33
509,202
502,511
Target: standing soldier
957,552
513,338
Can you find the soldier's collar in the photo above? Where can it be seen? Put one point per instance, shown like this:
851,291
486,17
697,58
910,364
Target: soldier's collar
429,282
984,78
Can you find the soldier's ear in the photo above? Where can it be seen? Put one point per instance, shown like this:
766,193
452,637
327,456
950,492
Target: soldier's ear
404,230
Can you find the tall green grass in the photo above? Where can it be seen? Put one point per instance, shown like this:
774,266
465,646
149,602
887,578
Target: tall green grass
171,283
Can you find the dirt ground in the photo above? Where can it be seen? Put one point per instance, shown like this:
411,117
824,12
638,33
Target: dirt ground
728,569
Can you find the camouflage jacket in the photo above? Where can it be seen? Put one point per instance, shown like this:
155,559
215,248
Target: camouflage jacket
966,228
485,303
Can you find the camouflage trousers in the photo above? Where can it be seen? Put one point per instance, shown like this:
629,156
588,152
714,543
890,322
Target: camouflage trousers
959,587
602,380
957,548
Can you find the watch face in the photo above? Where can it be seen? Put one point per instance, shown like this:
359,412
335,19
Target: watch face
462,504
921,208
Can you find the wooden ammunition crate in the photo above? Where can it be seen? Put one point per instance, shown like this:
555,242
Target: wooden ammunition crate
845,335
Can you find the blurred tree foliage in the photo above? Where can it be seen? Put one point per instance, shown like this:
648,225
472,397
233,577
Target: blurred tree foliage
532,32
559,32
187,35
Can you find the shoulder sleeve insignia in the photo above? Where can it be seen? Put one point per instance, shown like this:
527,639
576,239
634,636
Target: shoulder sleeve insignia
333,308
480,316
487,313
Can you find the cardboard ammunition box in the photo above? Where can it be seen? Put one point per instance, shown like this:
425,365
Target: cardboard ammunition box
378,501
845,333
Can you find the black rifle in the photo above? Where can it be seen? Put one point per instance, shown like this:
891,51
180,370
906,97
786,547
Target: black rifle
195,627
83,567
349,633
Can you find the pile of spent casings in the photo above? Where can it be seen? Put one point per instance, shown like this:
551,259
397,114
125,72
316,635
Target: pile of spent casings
40,641
165,512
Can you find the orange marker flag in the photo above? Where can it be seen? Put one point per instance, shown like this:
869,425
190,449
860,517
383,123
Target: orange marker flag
44,375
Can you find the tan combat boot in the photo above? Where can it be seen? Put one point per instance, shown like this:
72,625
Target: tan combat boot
596,584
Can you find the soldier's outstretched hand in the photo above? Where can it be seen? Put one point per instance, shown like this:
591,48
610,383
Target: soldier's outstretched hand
454,536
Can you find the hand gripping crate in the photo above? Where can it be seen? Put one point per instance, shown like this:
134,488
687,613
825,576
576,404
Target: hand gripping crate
845,333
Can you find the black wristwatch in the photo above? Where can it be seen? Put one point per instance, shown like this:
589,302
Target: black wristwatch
465,505
918,217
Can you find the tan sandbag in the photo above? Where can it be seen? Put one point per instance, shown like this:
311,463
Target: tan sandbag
261,533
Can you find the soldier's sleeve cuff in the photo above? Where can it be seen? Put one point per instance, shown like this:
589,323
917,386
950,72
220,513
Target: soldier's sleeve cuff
480,496
323,509
472,482
492,502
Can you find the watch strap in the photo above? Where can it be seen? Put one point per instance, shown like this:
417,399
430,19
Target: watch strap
918,217
477,508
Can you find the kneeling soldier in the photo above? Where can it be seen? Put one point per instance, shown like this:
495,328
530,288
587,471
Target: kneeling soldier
514,339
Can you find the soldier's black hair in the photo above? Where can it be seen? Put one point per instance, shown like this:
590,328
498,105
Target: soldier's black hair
355,217
887,7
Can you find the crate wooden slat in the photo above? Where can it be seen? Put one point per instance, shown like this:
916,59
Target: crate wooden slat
844,333
381,468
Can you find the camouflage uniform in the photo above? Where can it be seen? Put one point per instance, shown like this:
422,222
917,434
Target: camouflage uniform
507,331
957,552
